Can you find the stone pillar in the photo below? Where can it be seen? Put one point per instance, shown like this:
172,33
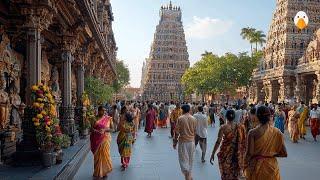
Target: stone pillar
67,59
80,110
33,59
297,91
80,81
66,109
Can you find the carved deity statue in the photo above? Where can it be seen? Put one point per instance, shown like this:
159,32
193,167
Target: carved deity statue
4,103
17,107
266,92
314,88
54,83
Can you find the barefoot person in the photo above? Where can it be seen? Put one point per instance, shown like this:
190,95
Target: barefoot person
232,149
115,117
125,139
293,125
265,144
175,114
303,112
150,120
314,123
136,119
185,132
201,133
100,144
279,118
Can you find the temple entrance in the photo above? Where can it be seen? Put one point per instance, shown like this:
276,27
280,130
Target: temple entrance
275,91
310,88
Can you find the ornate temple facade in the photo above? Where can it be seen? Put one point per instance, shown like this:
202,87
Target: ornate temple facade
168,58
290,68
57,43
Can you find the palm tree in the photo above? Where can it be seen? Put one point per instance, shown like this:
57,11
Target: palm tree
206,53
258,37
247,34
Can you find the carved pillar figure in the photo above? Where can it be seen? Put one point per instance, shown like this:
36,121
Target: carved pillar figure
4,104
283,92
268,90
317,88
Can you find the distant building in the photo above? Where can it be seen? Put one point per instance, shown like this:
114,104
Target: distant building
168,58
132,93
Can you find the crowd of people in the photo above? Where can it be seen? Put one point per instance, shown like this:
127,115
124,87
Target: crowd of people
249,140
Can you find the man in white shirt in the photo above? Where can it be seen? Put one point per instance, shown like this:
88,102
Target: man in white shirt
201,131
238,115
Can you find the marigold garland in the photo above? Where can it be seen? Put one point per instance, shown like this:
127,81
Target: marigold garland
45,121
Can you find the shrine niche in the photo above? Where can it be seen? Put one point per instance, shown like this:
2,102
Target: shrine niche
10,72
45,69
11,105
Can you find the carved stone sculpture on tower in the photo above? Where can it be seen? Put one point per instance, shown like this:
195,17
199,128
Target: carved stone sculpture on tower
168,58
314,88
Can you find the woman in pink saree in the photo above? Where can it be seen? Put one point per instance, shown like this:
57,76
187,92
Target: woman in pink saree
100,144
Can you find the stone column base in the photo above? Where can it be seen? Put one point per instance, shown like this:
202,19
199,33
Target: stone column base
28,152
68,124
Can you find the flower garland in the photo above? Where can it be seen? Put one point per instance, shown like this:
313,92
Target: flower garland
90,112
46,122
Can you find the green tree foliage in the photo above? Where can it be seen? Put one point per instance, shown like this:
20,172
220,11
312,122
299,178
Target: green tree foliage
214,74
123,76
98,92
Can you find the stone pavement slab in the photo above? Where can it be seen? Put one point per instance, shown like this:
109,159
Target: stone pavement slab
41,173
155,159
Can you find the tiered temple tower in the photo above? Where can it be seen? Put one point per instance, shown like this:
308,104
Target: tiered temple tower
277,77
168,58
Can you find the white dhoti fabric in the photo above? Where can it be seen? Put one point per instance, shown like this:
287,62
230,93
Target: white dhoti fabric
186,152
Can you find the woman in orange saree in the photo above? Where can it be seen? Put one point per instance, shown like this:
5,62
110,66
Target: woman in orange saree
265,144
100,140
293,125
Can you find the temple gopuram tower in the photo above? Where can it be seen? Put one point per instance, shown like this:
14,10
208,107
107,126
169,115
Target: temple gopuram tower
277,78
168,58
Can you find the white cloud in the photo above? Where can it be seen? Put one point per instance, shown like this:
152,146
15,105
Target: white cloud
203,28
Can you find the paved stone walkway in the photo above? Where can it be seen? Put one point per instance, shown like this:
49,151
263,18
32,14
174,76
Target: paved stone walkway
155,159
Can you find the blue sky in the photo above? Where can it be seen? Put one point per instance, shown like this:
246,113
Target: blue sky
212,25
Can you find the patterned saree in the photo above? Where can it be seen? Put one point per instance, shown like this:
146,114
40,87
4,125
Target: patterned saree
100,147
